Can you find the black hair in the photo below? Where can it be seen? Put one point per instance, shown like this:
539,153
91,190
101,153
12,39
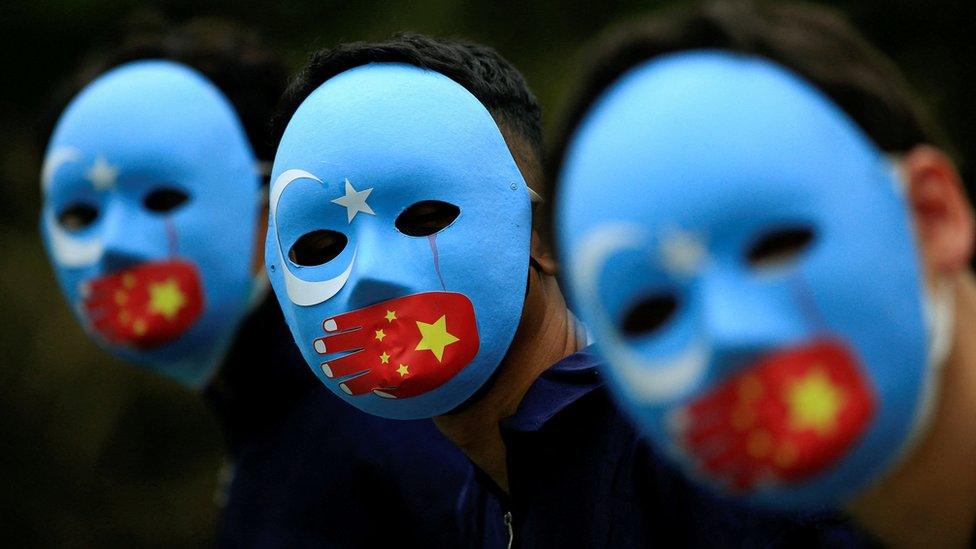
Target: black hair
481,70
235,59
814,42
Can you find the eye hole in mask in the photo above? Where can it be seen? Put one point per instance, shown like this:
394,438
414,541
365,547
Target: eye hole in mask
426,218
165,199
77,216
779,248
317,248
648,315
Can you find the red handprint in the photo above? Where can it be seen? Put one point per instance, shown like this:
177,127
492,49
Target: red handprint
145,306
789,416
402,347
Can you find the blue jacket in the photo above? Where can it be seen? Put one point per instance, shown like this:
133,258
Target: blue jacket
579,476
308,470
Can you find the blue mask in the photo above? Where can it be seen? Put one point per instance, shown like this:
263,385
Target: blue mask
745,258
151,201
399,321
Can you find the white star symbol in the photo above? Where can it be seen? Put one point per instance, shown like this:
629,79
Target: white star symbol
102,174
354,201
682,253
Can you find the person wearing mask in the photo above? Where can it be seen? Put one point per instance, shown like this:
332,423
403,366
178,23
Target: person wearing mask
404,252
774,256
154,204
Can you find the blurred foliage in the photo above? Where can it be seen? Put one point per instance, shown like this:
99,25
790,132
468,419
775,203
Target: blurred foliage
96,453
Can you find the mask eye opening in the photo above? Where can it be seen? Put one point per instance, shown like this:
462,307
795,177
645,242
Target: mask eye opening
164,199
649,315
77,216
317,248
779,247
426,218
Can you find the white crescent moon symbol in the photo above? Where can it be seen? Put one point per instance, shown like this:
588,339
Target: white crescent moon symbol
67,250
648,381
304,293
54,160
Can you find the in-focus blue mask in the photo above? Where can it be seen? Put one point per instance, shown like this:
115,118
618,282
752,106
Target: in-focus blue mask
400,311
745,258
151,198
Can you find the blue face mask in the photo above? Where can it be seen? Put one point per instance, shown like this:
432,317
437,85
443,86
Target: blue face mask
151,198
398,241
745,258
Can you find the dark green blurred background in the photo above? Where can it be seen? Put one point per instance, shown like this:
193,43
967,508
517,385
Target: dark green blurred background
95,453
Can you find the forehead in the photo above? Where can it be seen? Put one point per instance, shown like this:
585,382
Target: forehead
707,135
149,110
394,124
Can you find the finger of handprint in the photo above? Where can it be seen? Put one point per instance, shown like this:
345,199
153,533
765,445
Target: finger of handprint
347,365
103,320
348,321
715,453
701,429
338,343
360,385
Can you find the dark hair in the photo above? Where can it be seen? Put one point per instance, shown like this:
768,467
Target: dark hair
813,41
232,57
480,69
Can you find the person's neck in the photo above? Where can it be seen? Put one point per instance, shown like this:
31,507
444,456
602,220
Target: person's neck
547,332
930,499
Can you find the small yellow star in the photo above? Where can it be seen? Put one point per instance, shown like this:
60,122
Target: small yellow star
128,280
380,335
434,337
124,317
402,370
166,298
384,358
120,297
139,327
390,316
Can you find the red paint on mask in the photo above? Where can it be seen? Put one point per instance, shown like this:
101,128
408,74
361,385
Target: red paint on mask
144,306
402,347
787,417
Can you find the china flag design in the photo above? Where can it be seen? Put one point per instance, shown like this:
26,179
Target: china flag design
400,348
790,416
145,306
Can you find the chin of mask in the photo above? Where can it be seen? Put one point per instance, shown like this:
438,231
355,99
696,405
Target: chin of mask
745,259
151,198
398,239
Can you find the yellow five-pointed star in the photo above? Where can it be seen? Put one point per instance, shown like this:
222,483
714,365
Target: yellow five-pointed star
384,358
166,298
390,316
402,370
814,402
434,337
380,334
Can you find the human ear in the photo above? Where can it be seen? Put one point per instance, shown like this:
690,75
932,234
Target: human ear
541,255
260,232
940,209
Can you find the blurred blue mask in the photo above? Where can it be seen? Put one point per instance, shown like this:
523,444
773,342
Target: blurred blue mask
151,201
745,258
